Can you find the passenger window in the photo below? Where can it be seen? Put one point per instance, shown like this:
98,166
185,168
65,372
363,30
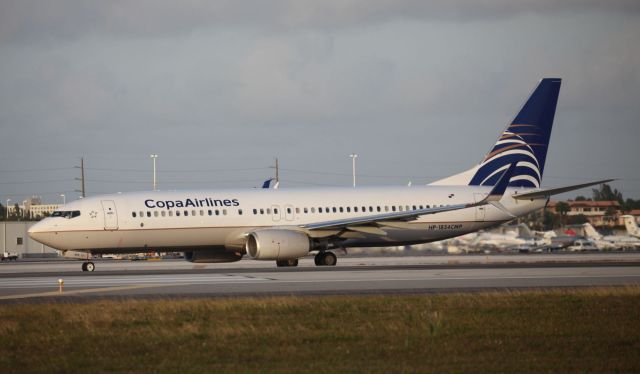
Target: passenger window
261,211
320,210
177,213
224,212
255,211
313,210
155,213
393,208
141,214
348,209
298,211
268,210
355,209
240,212
217,212
288,210
186,213
386,208
341,210
163,213
306,210
275,210
379,208
202,212
133,214
171,213
210,212
193,212
334,209
148,214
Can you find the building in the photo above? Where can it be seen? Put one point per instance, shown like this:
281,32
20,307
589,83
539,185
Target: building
599,213
14,239
33,208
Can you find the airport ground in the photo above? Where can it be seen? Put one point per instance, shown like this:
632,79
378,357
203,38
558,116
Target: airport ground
466,313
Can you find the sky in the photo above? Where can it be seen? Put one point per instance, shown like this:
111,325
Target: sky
218,89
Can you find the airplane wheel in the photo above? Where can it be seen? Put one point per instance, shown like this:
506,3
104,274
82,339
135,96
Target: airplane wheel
326,259
330,259
90,266
84,266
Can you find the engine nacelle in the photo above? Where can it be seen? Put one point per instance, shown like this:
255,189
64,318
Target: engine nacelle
216,255
277,245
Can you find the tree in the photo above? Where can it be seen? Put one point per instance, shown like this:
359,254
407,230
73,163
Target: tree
577,219
581,198
605,193
563,208
16,211
3,212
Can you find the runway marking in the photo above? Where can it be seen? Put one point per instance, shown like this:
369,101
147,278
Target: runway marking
76,292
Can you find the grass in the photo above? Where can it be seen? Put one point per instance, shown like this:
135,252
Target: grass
584,330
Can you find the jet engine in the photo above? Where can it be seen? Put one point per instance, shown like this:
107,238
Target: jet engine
277,245
215,255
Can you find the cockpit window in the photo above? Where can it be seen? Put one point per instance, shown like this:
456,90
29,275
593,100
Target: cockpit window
66,213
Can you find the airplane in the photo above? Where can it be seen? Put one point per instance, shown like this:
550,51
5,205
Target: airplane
285,224
610,241
631,225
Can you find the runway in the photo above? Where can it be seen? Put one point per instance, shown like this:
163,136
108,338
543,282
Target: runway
29,281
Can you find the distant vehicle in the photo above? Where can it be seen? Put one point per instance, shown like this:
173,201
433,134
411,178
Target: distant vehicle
283,225
582,245
631,225
9,256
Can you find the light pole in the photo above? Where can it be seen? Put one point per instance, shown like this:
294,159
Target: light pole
153,157
4,247
64,199
353,167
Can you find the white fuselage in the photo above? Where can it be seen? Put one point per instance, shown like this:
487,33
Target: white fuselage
200,219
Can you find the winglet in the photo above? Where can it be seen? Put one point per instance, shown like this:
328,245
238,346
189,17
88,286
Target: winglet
267,183
501,186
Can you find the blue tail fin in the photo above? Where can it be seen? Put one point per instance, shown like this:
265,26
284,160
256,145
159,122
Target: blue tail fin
524,142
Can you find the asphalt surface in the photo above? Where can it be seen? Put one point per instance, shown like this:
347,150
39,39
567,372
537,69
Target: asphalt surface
39,281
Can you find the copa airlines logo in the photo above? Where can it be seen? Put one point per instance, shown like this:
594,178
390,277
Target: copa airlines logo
190,203
512,147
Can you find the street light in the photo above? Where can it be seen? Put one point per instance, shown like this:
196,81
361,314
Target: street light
4,247
64,199
353,167
153,157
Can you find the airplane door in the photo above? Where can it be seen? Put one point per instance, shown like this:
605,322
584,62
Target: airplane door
480,210
110,215
275,213
288,212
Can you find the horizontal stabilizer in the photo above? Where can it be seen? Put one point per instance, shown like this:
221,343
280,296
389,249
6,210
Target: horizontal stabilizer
554,191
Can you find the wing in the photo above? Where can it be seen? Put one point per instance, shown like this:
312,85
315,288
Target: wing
554,191
396,219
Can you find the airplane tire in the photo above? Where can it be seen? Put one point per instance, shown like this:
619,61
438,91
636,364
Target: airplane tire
90,266
84,266
325,259
329,259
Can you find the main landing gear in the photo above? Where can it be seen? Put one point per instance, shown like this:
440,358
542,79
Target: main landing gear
325,259
88,266
283,263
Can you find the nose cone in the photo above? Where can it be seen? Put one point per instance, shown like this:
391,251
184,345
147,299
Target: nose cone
37,232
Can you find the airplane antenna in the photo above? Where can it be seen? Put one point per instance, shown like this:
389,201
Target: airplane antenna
277,172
